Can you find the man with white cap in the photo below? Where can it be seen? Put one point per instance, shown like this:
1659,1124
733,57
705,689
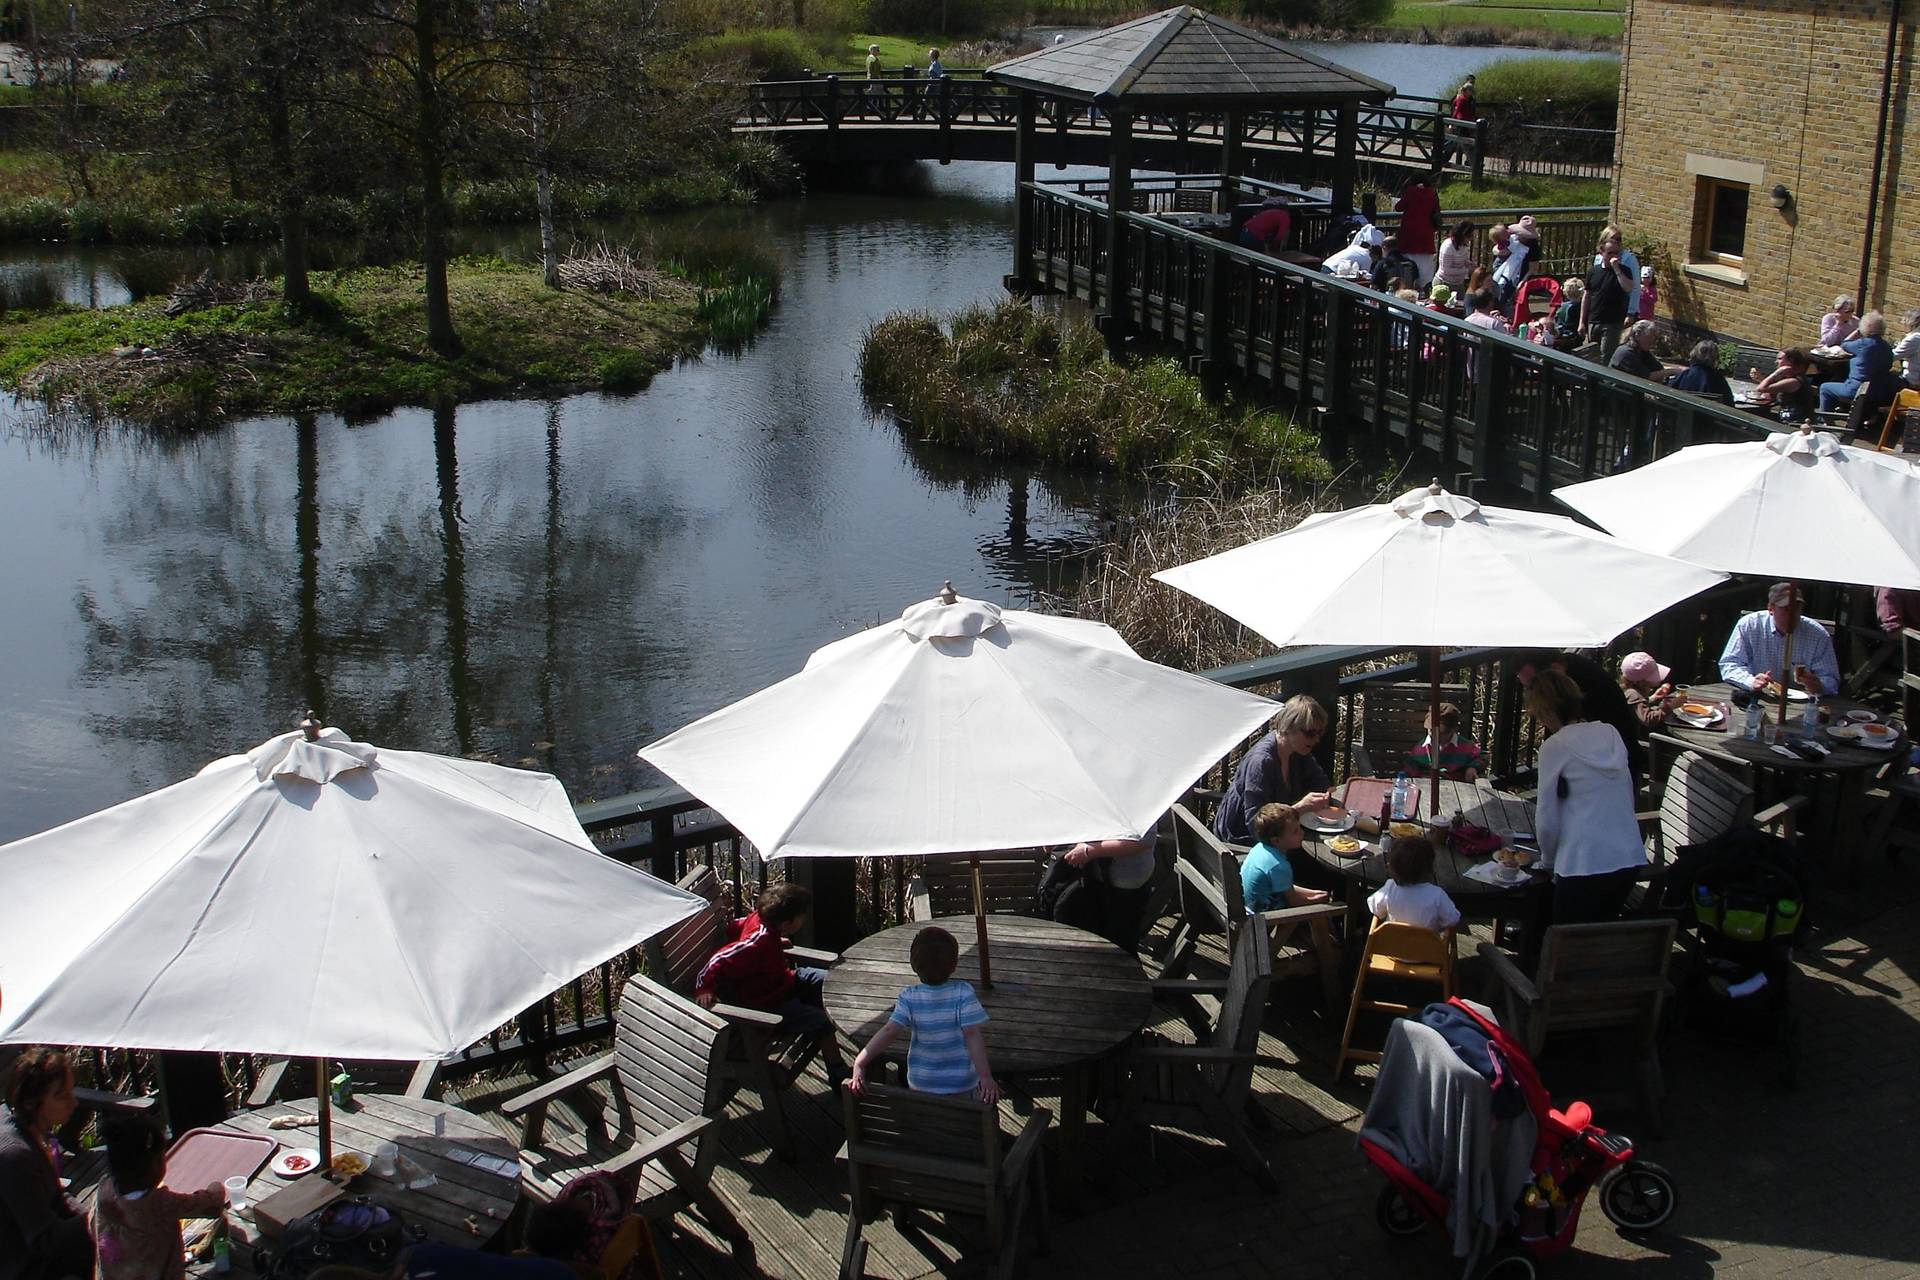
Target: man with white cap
1648,688
1756,654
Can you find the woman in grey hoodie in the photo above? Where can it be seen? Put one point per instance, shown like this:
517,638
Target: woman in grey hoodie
1588,836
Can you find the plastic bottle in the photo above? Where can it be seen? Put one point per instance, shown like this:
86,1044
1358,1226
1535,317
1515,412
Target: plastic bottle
1754,713
222,1252
1810,721
1402,795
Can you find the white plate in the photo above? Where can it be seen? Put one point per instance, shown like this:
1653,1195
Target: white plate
1700,722
1831,353
283,1163
1511,875
1860,715
1844,732
1870,738
1328,822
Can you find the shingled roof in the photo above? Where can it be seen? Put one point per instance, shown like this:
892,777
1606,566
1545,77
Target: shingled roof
1184,57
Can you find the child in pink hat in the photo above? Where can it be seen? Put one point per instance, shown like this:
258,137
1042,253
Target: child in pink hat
1649,689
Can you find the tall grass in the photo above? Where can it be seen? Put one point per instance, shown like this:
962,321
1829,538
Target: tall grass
1007,380
1585,90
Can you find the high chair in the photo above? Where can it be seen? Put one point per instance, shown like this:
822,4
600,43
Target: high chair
1403,953
1907,399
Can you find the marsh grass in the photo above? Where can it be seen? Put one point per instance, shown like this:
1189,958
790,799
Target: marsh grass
1010,381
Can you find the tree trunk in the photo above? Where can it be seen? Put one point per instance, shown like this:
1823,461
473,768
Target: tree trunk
543,183
290,196
433,181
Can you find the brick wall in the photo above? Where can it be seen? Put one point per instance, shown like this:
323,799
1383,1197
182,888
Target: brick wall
1792,86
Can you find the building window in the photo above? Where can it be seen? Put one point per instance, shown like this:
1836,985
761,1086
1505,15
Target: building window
1720,221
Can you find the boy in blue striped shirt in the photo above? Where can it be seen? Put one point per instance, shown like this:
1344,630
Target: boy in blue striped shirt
948,1052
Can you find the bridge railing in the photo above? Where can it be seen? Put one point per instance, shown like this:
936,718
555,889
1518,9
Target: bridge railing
1497,407
1404,131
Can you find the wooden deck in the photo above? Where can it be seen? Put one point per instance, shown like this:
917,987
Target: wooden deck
793,1215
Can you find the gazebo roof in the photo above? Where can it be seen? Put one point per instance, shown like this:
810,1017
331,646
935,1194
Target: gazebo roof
1182,58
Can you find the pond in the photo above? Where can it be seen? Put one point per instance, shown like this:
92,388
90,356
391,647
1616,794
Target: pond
547,584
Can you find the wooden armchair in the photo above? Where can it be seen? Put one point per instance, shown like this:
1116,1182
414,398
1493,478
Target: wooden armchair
1393,721
1009,885
1209,1085
1700,797
1608,978
1207,871
948,1154
661,1083
759,1055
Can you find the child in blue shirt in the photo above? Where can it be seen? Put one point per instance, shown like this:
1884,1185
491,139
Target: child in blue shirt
948,1052
1266,877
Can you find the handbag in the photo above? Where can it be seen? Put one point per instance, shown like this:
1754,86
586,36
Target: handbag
363,1232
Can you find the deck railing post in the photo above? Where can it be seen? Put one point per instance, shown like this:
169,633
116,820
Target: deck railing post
946,120
1346,159
1337,359
1117,295
1214,356
1479,167
1489,368
1023,193
830,109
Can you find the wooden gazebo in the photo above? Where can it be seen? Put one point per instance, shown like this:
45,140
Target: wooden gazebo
1172,62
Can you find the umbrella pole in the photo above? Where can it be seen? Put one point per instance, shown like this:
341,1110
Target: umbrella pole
1433,734
324,1097
1786,678
980,924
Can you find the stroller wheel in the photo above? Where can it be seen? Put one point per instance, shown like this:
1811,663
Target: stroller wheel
1395,1216
1638,1196
1507,1264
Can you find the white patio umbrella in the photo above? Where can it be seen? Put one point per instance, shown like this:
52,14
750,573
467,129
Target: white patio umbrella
313,898
1434,569
1798,505
959,728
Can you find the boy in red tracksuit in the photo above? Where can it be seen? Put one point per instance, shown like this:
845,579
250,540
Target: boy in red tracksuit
752,970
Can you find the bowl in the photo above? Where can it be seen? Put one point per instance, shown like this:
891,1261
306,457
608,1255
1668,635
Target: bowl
349,1164
1346,846
1398,830
1515,858
1860,715
1876,731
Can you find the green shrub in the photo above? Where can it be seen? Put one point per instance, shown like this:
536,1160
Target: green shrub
1564,90
771,54
35,218
1317,13
626,371
901,17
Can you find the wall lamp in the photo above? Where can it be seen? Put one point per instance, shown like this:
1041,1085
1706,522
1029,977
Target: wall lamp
1780,195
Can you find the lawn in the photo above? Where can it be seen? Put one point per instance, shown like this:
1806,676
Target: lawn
1525,193
1569,20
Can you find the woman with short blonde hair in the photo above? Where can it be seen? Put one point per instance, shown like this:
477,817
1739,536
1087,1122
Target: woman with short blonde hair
1280,769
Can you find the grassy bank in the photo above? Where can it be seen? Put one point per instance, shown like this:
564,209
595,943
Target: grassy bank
1009,381
365,350
1543,23
1524,193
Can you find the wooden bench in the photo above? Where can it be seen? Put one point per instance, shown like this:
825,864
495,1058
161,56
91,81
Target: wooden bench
760,1056
1009,885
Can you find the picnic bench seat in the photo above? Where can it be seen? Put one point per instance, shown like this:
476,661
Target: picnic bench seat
759,1055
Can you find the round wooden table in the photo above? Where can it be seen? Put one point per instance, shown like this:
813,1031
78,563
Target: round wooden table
1481,805
467,1204
1835,784
1062,999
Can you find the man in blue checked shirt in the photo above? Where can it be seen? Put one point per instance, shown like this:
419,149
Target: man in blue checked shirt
1756,653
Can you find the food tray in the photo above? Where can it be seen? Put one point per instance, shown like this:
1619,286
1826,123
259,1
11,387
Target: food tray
1365,796
203,1158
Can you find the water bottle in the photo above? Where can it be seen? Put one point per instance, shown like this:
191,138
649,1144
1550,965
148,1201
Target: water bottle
222,1252
1402,795
1754,713
1810,722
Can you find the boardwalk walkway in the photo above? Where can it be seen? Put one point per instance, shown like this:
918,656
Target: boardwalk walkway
1772,1183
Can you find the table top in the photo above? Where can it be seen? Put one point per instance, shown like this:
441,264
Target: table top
1060,996
1195,218
1732,741
431,1135
1481,805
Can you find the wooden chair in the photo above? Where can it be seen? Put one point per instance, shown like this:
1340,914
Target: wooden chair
1607,979
1700,797
1393,721
1906,400
662,1084
1187,200
283,1078
1009,885
1401,953
759,1056
1207,871
1894,825
931,1151
1208,1085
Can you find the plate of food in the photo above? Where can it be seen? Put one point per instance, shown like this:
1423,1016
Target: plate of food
1516,859
294,1162
1845,731
1878,735
1831,353
1332,820
348,1164
1347,846
1510,875
1699,714
1860,715
1404,829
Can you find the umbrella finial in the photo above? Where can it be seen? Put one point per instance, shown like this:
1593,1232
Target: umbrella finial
1433,486
946,594
310,726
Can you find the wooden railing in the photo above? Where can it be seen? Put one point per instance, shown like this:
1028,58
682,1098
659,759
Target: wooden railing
1489,406
1408,132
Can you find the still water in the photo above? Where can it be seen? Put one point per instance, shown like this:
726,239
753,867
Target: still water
547,584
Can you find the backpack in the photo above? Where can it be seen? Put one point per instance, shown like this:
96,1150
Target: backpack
1070,895
363,1231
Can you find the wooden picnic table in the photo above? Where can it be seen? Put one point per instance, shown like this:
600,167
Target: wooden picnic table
1481,805
1062,1000
467,1204
1835,786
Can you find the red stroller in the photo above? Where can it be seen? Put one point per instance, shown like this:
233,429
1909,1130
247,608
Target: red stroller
1571,1157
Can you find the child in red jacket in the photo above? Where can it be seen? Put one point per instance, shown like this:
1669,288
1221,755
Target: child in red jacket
753,970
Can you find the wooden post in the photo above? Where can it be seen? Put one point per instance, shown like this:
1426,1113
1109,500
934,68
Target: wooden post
1119,204
980,924
831,111
1232,133
1337,360
1479,152
946,119
833,924
1433,720
1346,158
1023,140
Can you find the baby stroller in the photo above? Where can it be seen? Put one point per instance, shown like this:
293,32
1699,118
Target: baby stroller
1742,900
1557,1157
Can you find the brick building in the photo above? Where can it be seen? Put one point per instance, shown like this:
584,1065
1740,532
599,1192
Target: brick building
1750,134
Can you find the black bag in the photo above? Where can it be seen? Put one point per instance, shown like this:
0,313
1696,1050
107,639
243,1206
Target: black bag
1070,895
362,1232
